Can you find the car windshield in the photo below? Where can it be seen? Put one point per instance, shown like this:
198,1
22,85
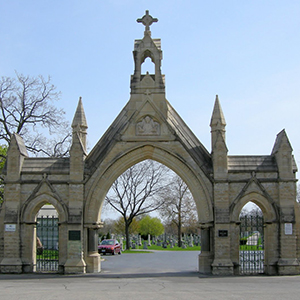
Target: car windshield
107,242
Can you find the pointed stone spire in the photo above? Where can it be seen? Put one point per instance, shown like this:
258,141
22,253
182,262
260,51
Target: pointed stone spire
217,118
281,139
79,117
79,123
218,144
217,122
15,157
283,153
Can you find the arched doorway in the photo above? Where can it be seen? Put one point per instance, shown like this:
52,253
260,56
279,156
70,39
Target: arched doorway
256,235
44,233
47,245
251,252
150,192
103,180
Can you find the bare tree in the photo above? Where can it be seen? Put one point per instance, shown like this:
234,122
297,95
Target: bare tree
26,108
251,211
133,193
178,205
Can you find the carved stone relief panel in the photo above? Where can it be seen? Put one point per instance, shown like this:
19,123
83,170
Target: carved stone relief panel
147,127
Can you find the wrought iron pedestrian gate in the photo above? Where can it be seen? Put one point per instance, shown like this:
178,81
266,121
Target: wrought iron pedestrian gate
251,244
47,244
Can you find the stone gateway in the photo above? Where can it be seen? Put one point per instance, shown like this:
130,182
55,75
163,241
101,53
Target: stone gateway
149,128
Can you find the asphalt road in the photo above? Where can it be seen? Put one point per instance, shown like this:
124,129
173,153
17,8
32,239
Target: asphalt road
162,275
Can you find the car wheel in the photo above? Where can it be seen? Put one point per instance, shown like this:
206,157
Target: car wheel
120,252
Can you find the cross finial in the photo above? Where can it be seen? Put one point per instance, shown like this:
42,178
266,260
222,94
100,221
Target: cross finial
147,20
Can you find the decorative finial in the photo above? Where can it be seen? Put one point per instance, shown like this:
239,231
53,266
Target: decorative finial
147,20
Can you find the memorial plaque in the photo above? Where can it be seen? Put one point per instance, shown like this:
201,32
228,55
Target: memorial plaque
10,227
223,233
288,228
74,235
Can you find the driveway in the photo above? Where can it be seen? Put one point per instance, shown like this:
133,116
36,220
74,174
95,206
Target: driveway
155,263
154,276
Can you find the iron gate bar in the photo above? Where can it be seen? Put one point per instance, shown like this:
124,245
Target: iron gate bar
251,244
47,233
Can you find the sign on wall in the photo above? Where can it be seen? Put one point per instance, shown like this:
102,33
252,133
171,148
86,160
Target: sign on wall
10,227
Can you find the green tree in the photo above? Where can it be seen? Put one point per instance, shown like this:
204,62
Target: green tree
26,108
119,226
152,226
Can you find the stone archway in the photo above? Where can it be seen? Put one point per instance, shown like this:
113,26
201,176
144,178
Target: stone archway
271,230
28,217
105,178
148,127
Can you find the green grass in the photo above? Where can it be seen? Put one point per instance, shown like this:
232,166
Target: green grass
155,247
250,247
48,254
195,248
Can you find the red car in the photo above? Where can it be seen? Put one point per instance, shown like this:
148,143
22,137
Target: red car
109,246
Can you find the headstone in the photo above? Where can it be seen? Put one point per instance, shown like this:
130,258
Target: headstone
133,245
149,241
145,245
191,241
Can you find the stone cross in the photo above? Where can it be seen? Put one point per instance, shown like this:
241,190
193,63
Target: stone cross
147,20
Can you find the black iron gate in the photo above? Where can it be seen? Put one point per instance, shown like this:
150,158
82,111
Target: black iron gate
47,244
251,244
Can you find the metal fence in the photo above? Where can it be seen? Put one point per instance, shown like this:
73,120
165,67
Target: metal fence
251,244
47,244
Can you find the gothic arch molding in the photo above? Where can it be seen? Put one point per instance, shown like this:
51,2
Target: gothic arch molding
269,209
105,179
31,207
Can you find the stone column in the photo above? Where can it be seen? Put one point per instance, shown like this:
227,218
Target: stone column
93,260
11,262
271,246
93,239
75,262
222,264
205,239
205,257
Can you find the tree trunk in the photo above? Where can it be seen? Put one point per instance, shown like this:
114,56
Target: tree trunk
179,232
127,236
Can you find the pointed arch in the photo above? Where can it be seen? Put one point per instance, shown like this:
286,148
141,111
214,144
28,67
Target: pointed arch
269,209
31,207
105,178
147,53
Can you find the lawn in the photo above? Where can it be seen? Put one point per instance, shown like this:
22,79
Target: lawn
155,247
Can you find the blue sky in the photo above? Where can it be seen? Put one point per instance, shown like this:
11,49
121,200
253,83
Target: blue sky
247,52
